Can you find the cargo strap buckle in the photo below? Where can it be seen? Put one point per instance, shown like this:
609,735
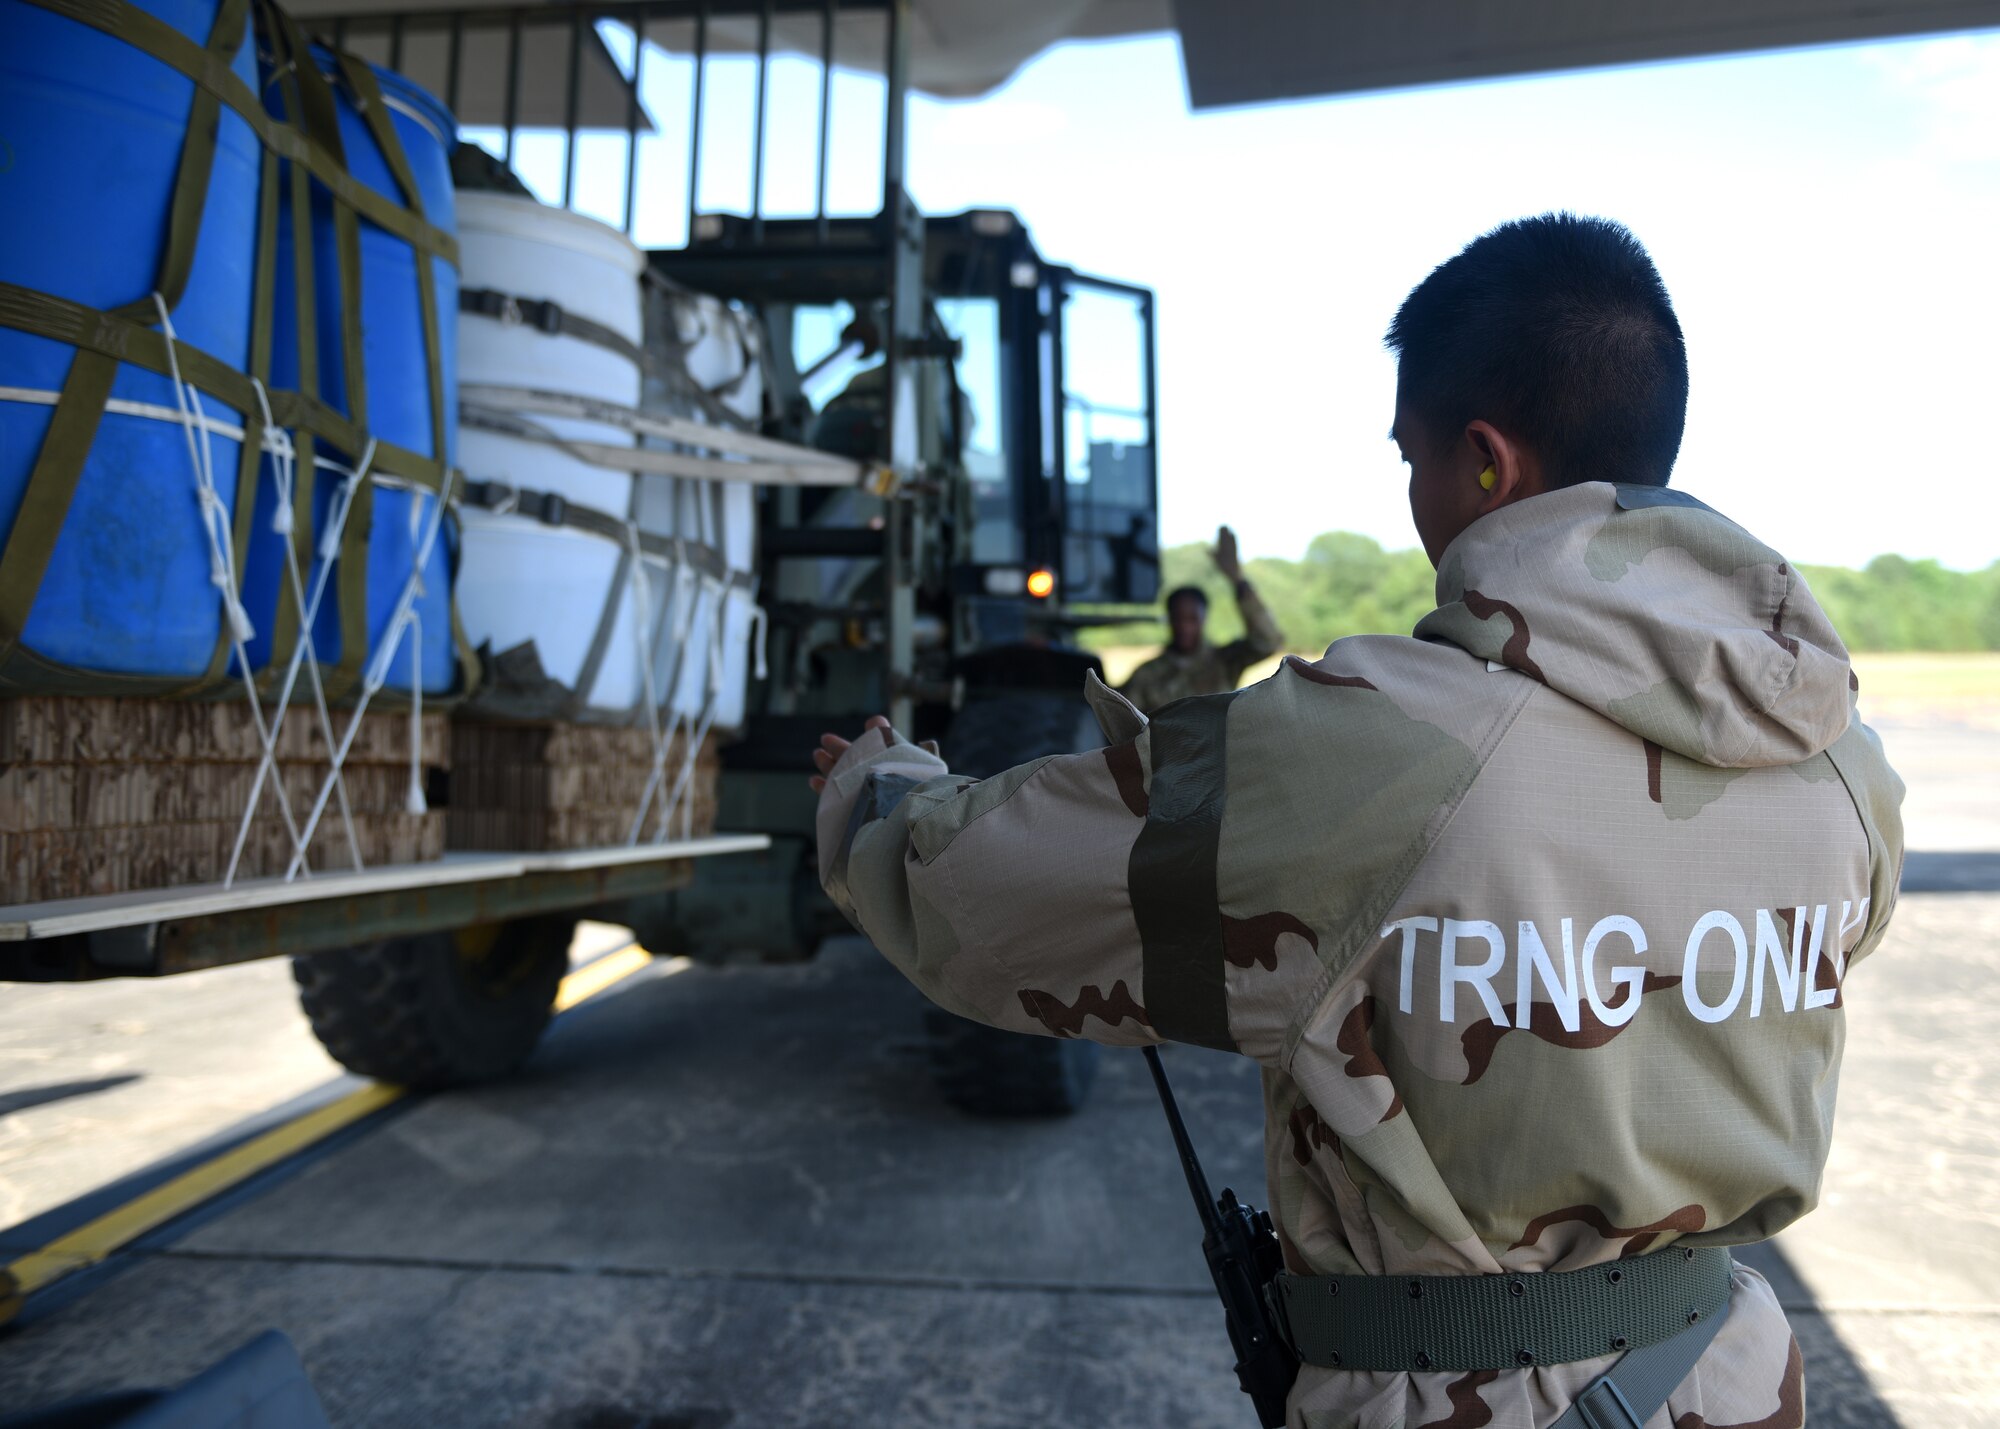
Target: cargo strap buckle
513,311
548,507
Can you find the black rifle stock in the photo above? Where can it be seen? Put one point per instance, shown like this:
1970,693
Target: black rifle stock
1243,1255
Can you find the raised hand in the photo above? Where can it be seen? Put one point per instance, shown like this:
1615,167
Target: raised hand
1224,554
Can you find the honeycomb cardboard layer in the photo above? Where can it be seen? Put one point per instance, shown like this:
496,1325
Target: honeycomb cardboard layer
76,863
59,730
541,788
105,796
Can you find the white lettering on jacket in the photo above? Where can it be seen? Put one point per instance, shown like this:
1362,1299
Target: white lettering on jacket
1726,969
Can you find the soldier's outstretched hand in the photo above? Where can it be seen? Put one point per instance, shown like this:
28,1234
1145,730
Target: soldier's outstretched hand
1224,554
832,746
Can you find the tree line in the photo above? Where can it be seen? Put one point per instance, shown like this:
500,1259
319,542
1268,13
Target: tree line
1348,585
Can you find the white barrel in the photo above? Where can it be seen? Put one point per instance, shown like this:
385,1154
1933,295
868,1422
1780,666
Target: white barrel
519,580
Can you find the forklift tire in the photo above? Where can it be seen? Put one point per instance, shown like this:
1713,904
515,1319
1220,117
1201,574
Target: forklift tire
993,735
981,1069
988,1072
437,1009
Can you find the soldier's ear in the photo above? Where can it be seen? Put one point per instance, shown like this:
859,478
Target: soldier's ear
1514,471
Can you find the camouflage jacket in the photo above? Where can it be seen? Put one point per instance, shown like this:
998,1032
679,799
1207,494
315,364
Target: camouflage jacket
1537,923
1171,676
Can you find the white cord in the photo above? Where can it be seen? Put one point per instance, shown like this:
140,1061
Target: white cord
656,776
304,654
215,517
377,673
216,529
315,677
707,717
644,633
415,802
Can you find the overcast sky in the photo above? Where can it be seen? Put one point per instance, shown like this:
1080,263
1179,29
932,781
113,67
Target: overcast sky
1826,221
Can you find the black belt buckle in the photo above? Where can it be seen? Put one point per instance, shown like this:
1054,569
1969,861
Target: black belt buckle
549,317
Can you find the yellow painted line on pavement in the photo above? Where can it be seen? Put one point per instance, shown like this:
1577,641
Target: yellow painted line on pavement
93,1241
598,974
96,1240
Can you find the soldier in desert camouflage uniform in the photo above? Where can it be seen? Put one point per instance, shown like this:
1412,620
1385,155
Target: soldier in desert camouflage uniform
1190,665
1538,923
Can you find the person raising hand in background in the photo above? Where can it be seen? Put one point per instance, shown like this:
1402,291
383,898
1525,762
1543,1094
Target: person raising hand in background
1190,665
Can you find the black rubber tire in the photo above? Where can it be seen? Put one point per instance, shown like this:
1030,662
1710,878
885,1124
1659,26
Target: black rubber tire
992,735
982,1069
988,1072
437,1009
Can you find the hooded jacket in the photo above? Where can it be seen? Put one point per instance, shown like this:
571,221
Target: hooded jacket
1538,923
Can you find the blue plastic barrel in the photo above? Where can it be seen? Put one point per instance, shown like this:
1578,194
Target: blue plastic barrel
90,141
396,373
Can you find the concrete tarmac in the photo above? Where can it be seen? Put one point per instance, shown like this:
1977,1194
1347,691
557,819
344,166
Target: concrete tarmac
730,1196
667,1221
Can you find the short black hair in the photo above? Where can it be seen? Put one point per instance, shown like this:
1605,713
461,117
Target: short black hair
1185,592
1557,330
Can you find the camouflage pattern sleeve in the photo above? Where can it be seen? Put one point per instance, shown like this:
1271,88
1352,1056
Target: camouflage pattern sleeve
1197,881
1261,636
1003,900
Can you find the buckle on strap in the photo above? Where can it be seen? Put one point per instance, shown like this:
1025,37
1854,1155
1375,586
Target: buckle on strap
548,507
1604,1406
490,303
488,495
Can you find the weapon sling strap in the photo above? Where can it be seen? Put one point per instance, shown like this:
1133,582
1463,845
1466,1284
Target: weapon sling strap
1660,1310
1632,1391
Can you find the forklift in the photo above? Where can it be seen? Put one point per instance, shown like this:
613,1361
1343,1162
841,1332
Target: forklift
1027,394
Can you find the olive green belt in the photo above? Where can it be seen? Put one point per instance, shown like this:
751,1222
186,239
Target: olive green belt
1508,1321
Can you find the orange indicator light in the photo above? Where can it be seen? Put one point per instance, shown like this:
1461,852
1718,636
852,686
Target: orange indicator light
1041,584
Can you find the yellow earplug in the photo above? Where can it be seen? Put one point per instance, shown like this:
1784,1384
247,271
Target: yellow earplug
1487,478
